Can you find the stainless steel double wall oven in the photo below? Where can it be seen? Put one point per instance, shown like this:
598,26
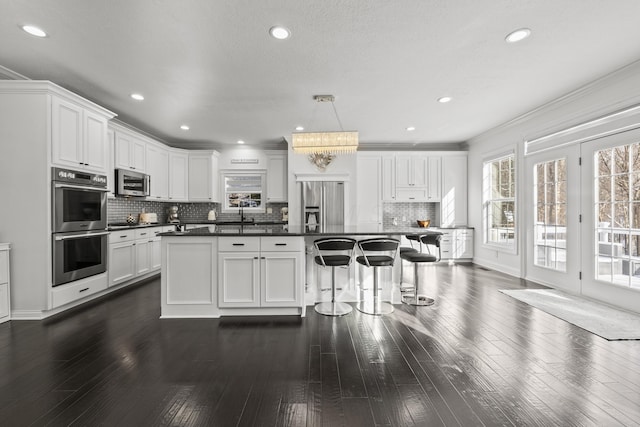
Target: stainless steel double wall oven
80,236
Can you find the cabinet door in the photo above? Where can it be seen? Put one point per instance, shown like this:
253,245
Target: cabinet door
280,285
95,142
369,192
111,177
156,253
143,256
463,244
277,177
123,151
238,279
138,155
122,262
433,178
420,169
178,176
200,178
66,137
158,170
388,178
404,171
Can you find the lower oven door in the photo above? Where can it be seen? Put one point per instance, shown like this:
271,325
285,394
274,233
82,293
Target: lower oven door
79,255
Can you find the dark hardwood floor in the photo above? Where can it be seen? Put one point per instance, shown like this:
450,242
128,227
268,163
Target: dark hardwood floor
476,357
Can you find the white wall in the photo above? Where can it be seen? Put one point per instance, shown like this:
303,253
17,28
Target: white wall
611,93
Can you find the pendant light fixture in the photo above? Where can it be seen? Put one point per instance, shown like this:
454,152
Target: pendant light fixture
330,142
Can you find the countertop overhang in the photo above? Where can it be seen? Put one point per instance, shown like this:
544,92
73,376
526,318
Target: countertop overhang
284,230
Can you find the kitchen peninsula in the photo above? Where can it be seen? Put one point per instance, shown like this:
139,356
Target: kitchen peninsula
254,269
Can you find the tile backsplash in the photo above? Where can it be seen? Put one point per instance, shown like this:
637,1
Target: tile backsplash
119,208
410,212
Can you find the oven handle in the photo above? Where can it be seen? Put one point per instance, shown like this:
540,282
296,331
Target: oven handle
83,235
81,187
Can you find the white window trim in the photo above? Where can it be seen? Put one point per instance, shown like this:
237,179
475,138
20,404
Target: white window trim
242,172
511,248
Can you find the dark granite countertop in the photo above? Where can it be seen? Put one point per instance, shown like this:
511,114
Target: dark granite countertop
287,230
125,226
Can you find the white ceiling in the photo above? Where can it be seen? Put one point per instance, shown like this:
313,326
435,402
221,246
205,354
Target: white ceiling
212,65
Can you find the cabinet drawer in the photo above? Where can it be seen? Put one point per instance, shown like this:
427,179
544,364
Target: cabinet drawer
65,294
417,194
239,244
4,266
281,244
147,233
122,236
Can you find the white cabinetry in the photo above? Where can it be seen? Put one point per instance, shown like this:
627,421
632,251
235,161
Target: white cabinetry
277,176
158,170
203,176
130,151
5,288
78,137
434,178
453,204
178,175
260,272
457,244
134,253
369,193
417,178
388,178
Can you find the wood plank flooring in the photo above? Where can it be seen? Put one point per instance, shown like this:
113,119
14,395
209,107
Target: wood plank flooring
476,357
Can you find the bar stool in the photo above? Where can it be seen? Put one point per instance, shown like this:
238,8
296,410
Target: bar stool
418,258
411,238
377,252
334,252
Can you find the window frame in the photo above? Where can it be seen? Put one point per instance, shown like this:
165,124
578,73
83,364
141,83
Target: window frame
510,247
262,174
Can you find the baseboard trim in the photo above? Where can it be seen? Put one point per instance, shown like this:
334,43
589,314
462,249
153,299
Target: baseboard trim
515,272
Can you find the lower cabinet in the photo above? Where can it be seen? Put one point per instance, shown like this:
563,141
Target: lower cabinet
134,253
260,272
457,244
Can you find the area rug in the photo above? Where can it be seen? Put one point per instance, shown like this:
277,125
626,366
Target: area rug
600,319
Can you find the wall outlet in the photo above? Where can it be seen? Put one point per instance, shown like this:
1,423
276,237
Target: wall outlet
269,210
404,218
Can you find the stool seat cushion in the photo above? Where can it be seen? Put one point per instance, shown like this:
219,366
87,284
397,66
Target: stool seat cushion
376,260
333,260
418,257
404,249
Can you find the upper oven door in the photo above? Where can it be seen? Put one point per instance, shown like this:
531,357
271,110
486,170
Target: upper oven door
78,208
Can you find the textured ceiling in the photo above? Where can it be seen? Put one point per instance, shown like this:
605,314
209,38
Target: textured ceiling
212,65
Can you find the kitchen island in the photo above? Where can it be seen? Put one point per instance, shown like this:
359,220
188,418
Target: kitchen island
255,269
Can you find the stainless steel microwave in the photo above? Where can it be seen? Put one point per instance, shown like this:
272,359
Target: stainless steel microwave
130,183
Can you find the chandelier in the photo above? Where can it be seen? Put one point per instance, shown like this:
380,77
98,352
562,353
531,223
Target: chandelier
325,142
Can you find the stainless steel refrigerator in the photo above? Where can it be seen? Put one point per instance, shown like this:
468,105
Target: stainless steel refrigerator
323,205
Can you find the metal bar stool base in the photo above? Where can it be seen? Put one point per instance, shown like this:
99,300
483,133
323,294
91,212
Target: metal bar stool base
377,309
333,308
420,300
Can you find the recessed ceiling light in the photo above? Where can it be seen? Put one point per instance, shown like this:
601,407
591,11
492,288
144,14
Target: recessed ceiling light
279,33
184,127
299,128
137,96
240,141
518,35
411,128
34,31
444,99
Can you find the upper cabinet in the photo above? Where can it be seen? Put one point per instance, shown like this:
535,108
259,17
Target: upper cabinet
277,176
158,170
78,137
203,176
178,176
417,178
130,151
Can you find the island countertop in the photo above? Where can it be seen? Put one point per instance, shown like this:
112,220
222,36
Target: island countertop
292,230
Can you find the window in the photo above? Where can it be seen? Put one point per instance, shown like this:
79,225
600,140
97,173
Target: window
244,190
617,209
550,225
499,202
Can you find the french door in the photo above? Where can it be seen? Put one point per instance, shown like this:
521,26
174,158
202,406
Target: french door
611,219
553,218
